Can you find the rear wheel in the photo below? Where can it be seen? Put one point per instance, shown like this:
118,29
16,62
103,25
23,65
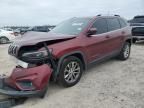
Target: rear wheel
70,72
125,52
4,40
134,40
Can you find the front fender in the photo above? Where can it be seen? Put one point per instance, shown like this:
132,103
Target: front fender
69,54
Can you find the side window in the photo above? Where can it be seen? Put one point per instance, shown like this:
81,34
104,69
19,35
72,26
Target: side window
100,25
113,24
122,23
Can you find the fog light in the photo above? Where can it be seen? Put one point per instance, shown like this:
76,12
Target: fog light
26,85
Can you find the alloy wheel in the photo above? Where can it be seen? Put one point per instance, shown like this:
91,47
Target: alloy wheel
72,72
126,51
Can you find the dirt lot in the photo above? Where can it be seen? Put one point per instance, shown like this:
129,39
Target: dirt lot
112,84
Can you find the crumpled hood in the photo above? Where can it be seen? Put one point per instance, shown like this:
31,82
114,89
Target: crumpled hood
32,38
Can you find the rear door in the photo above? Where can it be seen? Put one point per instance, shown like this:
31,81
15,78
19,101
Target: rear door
115,34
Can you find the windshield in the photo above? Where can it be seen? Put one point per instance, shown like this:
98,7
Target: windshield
138,20
72,26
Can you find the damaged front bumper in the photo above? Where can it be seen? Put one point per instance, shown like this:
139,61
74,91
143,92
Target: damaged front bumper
26,82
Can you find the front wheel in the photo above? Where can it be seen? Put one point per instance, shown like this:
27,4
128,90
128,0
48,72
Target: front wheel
70,72
4,40
125,52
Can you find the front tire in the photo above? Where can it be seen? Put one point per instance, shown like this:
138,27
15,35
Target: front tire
125,52
4,40
70,72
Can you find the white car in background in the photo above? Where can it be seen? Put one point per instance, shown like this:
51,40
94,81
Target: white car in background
6,36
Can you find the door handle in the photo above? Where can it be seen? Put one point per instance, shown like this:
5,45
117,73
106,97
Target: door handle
123,32
107,36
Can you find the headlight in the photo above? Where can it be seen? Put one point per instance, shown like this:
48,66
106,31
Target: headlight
37,54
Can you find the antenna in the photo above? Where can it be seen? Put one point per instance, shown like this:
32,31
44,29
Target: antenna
99,15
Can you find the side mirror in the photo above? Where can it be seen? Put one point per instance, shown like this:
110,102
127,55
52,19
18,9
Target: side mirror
92,31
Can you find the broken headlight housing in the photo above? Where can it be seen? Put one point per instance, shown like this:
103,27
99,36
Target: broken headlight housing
35,56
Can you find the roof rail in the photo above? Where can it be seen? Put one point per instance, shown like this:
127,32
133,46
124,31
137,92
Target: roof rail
117,15
108,15
99,15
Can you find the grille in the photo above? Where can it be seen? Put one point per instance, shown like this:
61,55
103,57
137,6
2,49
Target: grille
138,31
13,49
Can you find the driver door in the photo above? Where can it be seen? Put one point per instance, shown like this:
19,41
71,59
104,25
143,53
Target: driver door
97,45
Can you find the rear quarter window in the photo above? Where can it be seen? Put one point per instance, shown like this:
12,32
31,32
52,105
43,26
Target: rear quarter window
123,23
113,24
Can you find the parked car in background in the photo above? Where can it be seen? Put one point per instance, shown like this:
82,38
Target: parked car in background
7,29
137,24
21,31
6,36
65,52
39,29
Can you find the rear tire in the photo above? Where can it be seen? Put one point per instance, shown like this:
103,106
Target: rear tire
70,71
125,52
134,40
4,40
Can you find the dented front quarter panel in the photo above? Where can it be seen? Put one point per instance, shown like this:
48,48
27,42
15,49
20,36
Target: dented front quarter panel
33,39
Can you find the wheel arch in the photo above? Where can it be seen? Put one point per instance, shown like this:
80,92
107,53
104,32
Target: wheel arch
129,40
77,54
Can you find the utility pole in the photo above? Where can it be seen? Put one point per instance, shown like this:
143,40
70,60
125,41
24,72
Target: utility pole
142,4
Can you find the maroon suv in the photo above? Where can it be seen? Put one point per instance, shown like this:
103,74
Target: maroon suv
65,52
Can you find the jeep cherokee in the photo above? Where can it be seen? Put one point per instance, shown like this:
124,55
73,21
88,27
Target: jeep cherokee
64,53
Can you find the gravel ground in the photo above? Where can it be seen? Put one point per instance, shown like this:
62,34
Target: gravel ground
111,84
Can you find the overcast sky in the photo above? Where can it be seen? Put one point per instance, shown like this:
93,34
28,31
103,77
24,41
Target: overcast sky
39,12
